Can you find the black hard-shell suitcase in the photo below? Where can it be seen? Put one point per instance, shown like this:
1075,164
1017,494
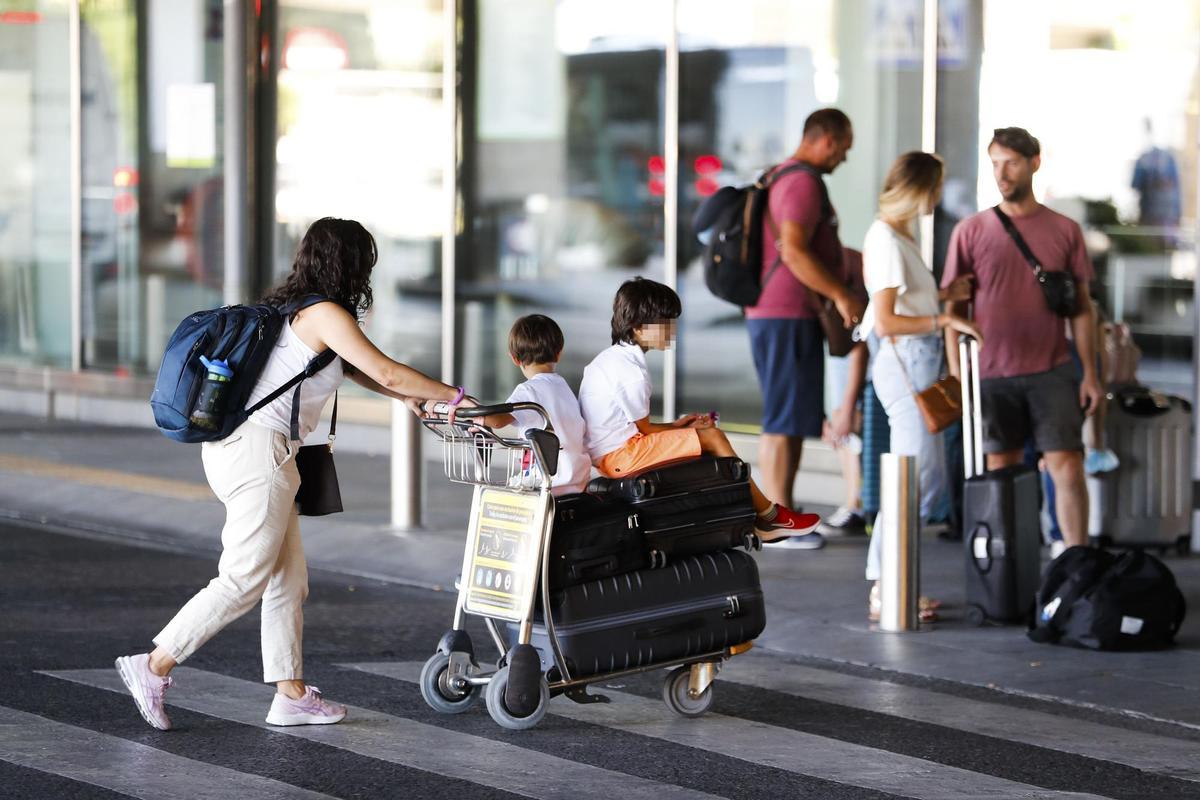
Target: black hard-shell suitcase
593,538
698,483
694,606
693,507
1001,526
669,537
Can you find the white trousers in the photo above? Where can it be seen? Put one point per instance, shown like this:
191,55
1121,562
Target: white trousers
253,472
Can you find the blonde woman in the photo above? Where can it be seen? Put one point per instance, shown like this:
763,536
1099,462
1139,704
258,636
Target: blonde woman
905,313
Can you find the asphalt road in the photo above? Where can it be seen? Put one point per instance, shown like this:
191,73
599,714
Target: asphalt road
778,728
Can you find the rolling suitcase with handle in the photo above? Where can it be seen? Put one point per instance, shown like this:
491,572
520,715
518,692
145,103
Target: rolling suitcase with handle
593,538
693,507
1147,500
1001,526
696,605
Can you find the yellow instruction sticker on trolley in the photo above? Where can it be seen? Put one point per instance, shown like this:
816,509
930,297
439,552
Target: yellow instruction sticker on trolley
506,542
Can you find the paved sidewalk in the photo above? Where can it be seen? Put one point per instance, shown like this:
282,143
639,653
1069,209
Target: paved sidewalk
135,484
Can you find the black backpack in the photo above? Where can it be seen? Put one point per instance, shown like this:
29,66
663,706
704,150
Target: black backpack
733,218
1093,599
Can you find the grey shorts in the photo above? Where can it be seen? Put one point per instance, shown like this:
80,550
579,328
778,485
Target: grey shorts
1043,406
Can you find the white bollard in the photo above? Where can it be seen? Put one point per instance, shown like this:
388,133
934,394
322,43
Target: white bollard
406,468
900,574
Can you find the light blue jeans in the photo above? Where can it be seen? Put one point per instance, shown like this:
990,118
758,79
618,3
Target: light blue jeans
922,357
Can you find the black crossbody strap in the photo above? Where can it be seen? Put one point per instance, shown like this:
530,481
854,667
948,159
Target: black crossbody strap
1016,237
318,363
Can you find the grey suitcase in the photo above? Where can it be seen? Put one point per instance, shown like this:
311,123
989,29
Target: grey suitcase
1147,500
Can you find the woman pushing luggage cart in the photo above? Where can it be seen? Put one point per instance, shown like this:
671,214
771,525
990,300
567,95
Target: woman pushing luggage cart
692,614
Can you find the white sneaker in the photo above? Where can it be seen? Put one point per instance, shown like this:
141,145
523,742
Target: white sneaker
844,521
308,710
1056,548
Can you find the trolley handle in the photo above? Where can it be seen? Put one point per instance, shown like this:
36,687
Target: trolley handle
442,409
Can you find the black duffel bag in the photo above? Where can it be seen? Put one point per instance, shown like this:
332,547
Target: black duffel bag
1090,598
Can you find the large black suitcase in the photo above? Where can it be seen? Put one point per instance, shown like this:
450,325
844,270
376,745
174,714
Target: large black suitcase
592,538
696,605
693,507
1001,526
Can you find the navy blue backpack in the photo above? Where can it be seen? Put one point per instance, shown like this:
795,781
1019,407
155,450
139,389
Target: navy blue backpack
243,336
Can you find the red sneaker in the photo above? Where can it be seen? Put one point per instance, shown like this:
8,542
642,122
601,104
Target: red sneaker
788,524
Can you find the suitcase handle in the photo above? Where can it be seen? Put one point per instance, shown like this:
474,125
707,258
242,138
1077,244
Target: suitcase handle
580,569
667,630
972,543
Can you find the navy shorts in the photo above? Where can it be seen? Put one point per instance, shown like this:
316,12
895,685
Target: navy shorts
789,356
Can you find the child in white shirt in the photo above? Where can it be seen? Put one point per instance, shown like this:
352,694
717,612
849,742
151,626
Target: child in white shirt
535,344
615,400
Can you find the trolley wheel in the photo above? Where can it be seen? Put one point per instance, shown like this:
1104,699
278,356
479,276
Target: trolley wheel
975,615
437,691
752,542
499,712
677,698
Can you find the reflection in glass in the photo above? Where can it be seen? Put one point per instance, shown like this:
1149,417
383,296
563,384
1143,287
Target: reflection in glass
152,166
565,197
360,136
35,184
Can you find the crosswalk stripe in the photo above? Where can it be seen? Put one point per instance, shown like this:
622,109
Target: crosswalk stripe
780,748
128,767
403,741
1144,751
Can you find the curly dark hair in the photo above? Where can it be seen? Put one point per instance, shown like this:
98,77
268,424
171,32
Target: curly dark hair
335,259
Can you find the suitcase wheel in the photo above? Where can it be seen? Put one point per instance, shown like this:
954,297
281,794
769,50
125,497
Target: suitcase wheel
975,615
499,711
679,699
437,691
751,542
642,489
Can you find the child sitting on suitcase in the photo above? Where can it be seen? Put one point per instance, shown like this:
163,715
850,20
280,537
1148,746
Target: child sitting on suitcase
615,399
535,344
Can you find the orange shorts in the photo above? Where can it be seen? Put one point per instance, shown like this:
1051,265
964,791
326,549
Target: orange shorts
645,450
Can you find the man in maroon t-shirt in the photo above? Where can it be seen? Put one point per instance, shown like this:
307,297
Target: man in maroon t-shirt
1030,388
785,336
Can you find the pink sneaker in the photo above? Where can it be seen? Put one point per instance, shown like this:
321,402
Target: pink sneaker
308,710
147,688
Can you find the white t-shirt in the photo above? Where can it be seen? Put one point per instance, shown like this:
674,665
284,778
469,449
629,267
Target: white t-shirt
613,396
894,261
552,393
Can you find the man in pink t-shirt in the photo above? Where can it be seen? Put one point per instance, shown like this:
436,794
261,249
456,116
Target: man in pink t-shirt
785,336
1030,387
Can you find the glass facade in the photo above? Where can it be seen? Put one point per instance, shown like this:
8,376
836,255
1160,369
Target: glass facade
359,134
564,109
35,183
564,183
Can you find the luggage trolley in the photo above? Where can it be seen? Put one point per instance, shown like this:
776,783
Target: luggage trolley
505,564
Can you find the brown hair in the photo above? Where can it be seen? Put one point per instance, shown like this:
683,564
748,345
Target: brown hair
1018,140
535,339
910,184
335,259
642,302
832,121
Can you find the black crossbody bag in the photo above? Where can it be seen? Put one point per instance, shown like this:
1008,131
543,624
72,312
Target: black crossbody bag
1058,286
319,493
